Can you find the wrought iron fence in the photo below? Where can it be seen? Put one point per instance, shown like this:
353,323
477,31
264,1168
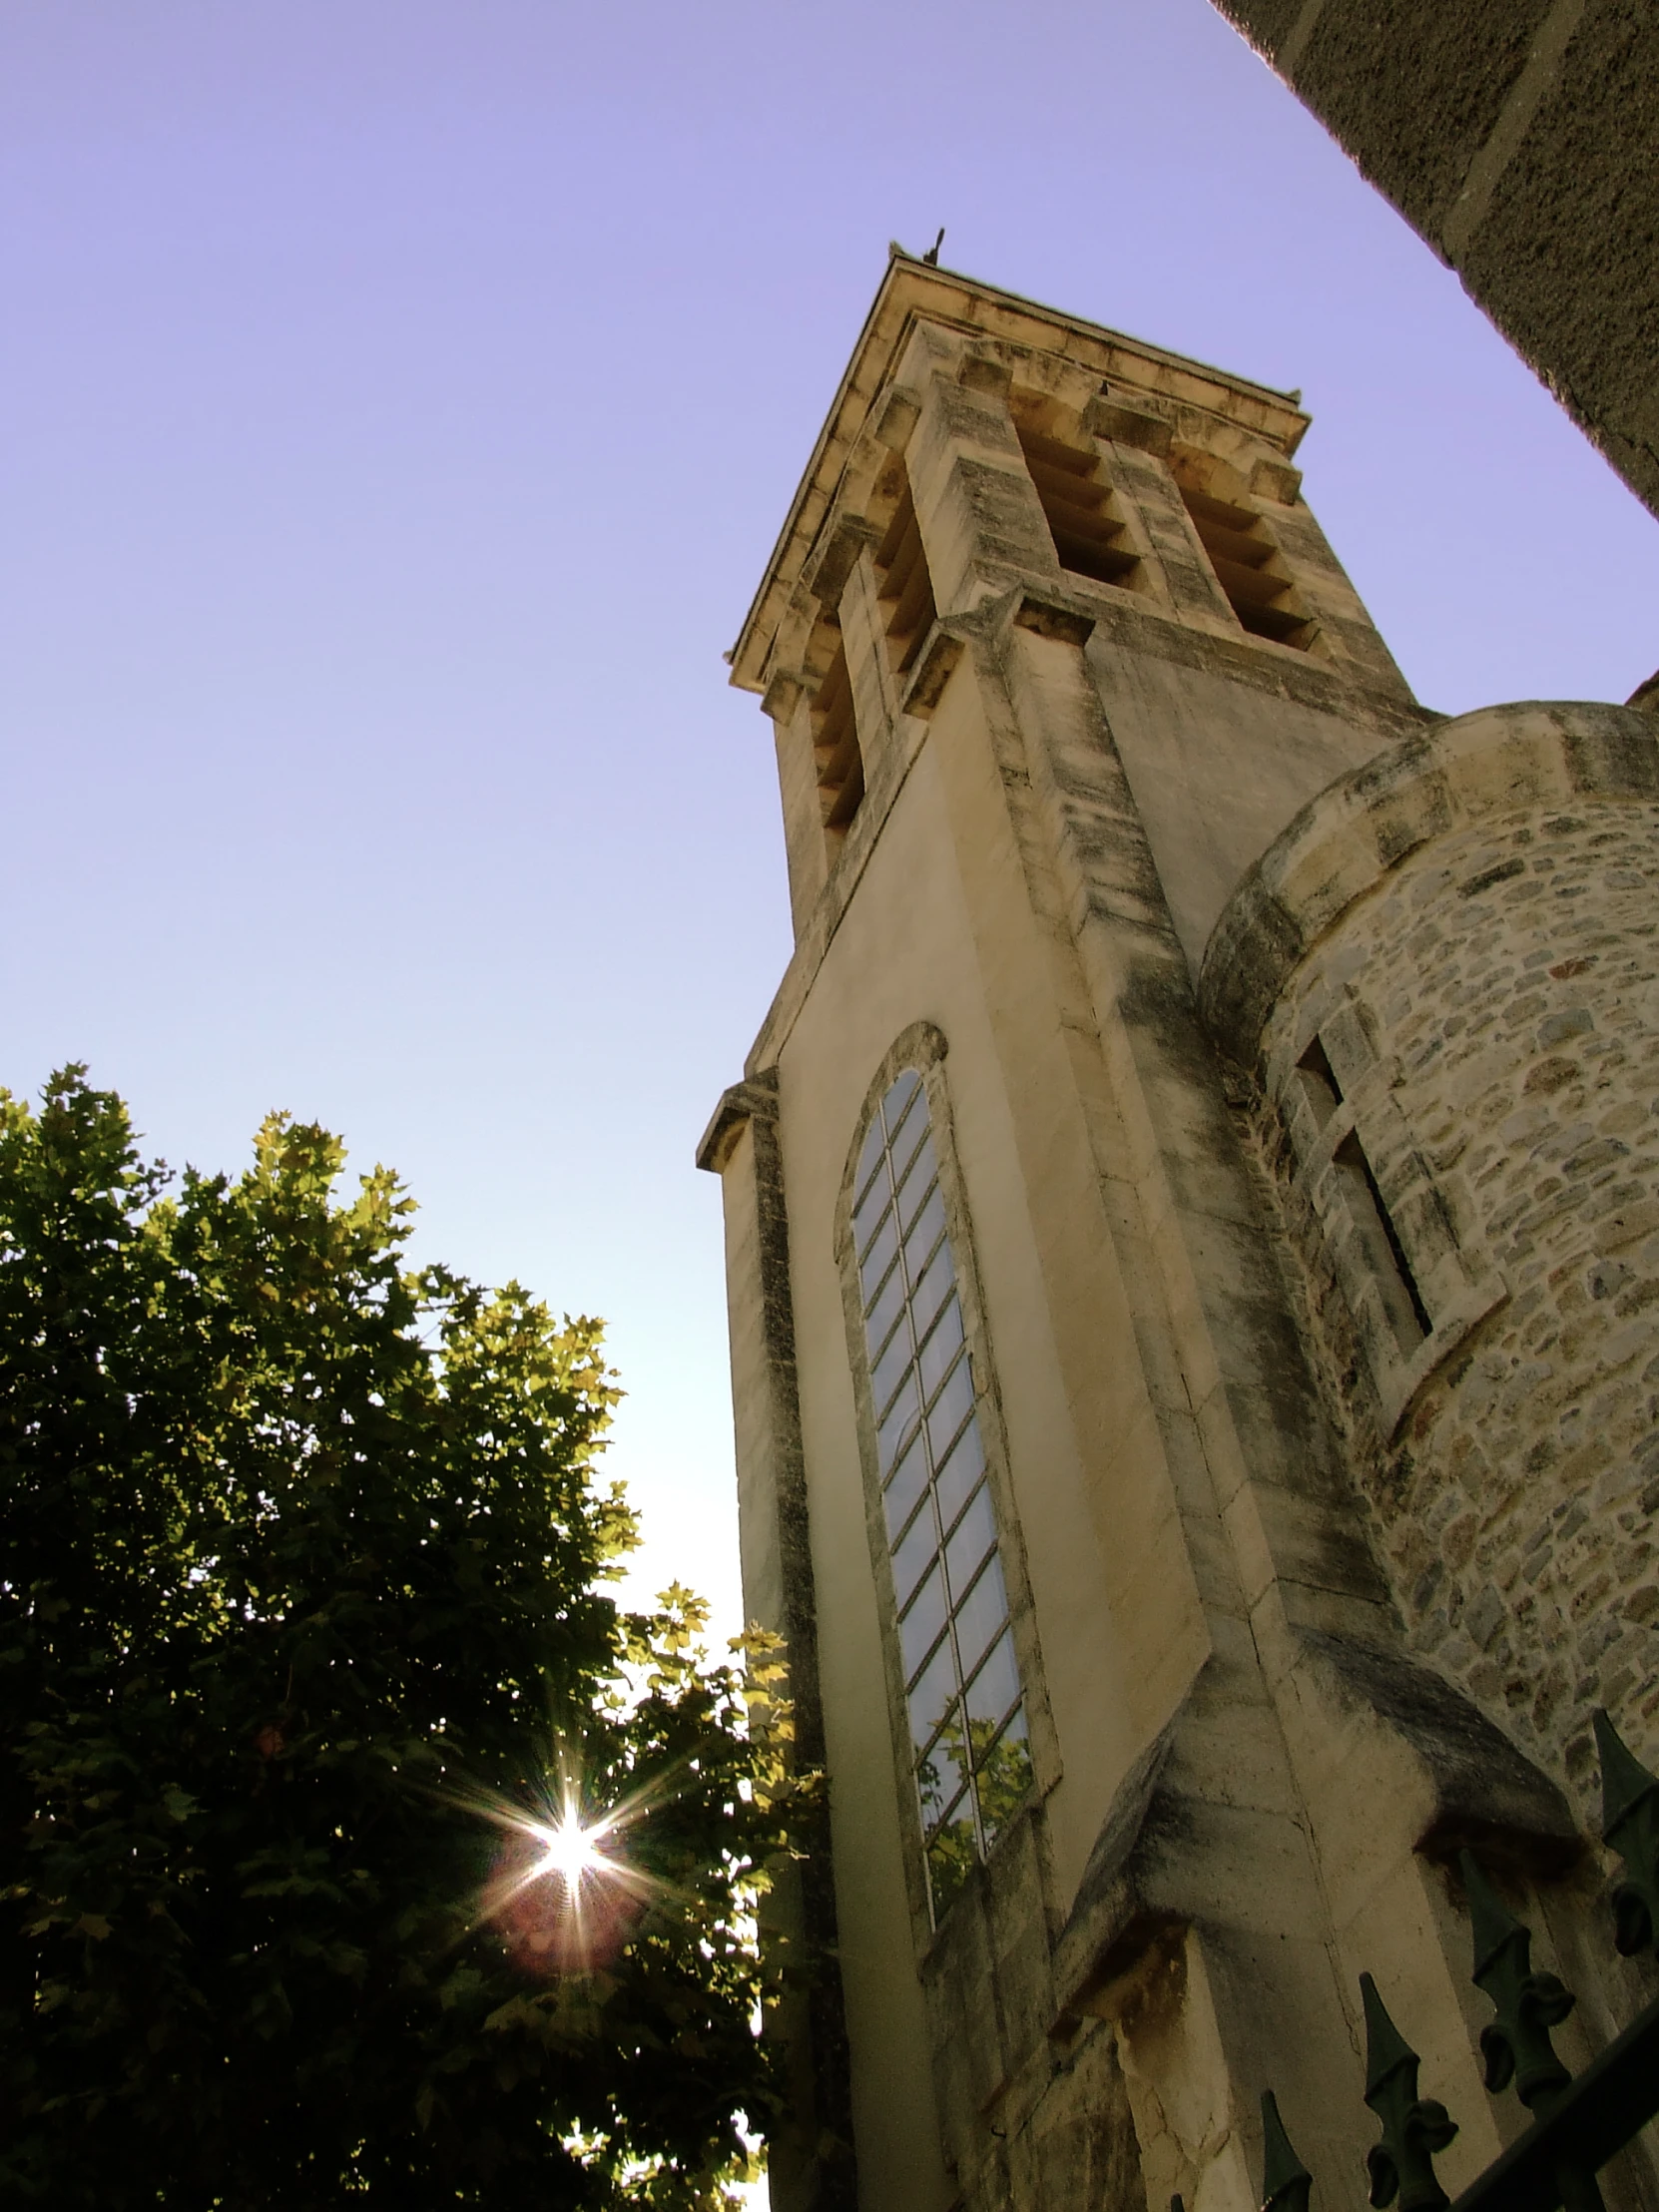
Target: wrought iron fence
1580,2121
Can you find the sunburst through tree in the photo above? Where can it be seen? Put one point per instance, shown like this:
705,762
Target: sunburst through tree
354,1841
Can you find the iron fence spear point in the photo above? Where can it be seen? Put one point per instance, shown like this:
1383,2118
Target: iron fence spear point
1517,2045
1493,1923
1286,2181
1414,2127
1624,1779
1630,1825
1387,2049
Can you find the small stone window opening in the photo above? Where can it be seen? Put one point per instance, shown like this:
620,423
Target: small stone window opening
904,590
969,1753
1318,1084
1368,1212
1088,532
835,753
1373,1224
1247,566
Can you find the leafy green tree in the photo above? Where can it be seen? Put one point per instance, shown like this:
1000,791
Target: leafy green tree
307,1673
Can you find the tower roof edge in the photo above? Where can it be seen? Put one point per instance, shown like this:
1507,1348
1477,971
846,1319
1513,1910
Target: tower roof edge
912,291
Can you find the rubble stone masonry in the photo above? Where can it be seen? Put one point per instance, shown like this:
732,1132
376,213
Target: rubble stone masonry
1502,983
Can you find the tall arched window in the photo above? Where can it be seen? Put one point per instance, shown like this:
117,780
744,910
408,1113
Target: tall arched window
968,1742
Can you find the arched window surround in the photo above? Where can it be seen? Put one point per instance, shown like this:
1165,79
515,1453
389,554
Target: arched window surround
921,1049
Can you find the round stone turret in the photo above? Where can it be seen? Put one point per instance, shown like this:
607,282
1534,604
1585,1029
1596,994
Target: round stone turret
1446,976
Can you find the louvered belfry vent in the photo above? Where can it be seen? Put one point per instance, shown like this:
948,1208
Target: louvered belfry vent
1088,532
1249,568
835,753
904,590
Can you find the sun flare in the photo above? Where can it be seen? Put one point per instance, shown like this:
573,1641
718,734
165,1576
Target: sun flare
565,1894
571,1851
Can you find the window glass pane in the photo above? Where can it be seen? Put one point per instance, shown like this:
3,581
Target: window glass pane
933,1291
894,1430
993,1689
916,1552
1003,1782
923,1622
940,1778
890,1368
866,1212
924,1235
971,1539
905,1088
915,1191
870,1159
955,1401
879,1341
951,1857
982,1614
884,1306
875,1260
864,1229
961,1473
908,1135
912,1160
932,1696
940,1349
905,1116
909,1480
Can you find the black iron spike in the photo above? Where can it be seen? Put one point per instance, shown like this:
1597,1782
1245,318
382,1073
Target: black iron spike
1414,2128
1517,2045
1630,1824
1286,2181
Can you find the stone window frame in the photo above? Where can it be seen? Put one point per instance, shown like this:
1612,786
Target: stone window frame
923,1046
1384,1220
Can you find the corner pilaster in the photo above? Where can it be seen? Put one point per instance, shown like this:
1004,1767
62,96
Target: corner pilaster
811,2161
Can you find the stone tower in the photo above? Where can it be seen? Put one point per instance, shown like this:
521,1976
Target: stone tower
1193,1254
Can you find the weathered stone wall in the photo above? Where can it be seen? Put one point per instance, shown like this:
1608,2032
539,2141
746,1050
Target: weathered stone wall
811,2158
1030,2116
1491,1004
1516,136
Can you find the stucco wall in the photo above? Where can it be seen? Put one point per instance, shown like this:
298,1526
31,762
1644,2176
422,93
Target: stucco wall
909,949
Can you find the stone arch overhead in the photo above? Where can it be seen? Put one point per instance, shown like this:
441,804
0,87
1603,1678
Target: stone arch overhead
1357,830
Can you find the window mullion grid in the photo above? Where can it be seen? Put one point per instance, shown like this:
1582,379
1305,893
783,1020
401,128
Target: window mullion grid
908,1132
930,1496
959,1705
973,1792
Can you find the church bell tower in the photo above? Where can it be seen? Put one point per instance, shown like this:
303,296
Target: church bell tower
1110,1247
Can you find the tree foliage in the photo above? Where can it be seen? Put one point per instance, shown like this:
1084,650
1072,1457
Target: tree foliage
303,1617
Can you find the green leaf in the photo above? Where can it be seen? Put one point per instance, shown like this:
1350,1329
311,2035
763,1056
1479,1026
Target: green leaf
322,1539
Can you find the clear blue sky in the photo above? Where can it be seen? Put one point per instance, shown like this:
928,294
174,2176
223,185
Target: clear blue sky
399,402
